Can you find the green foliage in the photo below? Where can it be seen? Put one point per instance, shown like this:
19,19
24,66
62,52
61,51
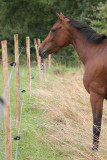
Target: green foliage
35,18
99,18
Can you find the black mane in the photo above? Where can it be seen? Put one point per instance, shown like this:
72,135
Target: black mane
90,34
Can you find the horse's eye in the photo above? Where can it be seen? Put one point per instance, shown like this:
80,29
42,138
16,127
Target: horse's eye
53,30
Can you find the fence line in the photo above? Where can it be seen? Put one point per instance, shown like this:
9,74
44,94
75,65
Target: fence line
1,142
7,114
18,138
28,64
49,59
42,66
5,100
17,77
38,61
58,56
8,81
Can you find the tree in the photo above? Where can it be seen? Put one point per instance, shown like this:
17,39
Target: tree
35,18
99,18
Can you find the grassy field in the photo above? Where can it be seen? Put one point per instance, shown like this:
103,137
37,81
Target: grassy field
56,120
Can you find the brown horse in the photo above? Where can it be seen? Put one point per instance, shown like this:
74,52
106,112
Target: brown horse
92,50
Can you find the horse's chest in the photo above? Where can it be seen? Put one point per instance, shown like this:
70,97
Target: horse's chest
94,80
86,80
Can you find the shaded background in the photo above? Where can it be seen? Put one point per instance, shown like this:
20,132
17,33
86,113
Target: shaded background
35,18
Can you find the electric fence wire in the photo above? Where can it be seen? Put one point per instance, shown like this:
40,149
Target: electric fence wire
8,81
16,152
42,67
3,99
32,46
59,56
5,89
1,143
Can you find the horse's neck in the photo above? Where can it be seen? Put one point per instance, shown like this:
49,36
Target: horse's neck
82,46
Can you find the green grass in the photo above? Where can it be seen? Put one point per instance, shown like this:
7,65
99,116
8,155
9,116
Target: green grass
57,119
32,145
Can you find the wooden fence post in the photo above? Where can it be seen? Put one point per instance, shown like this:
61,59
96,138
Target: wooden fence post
49,60
28,64
38,49
38,60
16,50
38,41
44,68
7,118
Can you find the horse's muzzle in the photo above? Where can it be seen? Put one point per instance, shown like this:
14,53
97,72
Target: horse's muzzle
43,54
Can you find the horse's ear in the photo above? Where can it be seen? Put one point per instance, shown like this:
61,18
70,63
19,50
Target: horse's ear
61,16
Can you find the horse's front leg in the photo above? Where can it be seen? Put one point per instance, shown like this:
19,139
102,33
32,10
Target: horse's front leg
97,106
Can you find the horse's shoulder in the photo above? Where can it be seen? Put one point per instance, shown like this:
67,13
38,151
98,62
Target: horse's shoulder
95,70
95,77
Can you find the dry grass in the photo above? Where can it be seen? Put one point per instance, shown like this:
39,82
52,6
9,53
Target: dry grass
69,117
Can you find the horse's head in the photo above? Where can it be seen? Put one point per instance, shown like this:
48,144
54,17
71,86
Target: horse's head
57,38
